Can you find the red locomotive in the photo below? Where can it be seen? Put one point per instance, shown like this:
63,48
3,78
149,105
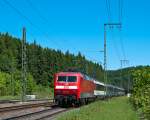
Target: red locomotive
73,88
77,88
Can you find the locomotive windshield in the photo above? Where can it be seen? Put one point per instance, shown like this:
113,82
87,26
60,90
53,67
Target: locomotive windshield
67,79
72,78
62,78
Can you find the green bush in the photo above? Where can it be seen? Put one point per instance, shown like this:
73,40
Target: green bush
4,84
141,91
10,84
43,92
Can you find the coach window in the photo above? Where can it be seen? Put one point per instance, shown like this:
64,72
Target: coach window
99,87
62,78
72,78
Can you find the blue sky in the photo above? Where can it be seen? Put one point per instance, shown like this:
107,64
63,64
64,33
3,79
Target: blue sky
77,25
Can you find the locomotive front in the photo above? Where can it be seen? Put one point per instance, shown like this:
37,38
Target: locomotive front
66,88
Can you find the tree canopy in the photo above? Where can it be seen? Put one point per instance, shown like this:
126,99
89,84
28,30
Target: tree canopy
42,62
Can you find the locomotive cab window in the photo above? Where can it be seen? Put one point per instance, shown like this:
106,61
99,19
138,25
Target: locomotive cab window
72,79
67,79
62,78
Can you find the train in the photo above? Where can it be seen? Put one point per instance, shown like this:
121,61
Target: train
76,88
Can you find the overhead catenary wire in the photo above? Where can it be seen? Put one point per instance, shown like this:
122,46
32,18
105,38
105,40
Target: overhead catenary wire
108,6
33,24
108,10
122,44
120,10
26,18
120,15
115,44
37,11
43,18
19,13
29,21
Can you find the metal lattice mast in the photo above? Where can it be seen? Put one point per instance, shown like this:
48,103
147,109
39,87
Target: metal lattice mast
105,51
123,62
24,72
105,60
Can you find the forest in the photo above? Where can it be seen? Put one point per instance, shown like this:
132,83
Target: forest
42,63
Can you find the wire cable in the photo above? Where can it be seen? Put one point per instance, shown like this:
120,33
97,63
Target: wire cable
120,9
122,43
29,21
37,11
115,44
108,10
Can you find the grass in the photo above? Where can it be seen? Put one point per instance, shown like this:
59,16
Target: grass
41,92
44,92
9,97
114,109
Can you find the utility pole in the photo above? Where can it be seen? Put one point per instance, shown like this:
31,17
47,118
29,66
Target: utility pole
105,50
122,62
128,79
105,60
24,63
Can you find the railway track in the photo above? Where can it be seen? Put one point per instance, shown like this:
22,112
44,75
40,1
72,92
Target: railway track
31,111
45,111
16,101
9,101
40,115
24,106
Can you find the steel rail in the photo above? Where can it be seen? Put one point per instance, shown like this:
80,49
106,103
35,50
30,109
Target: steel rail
25,106
35,115
16,100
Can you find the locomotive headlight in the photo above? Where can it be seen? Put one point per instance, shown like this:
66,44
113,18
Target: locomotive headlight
72,87
59,87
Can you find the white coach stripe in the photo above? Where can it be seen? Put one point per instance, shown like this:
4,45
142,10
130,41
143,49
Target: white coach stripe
59,87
